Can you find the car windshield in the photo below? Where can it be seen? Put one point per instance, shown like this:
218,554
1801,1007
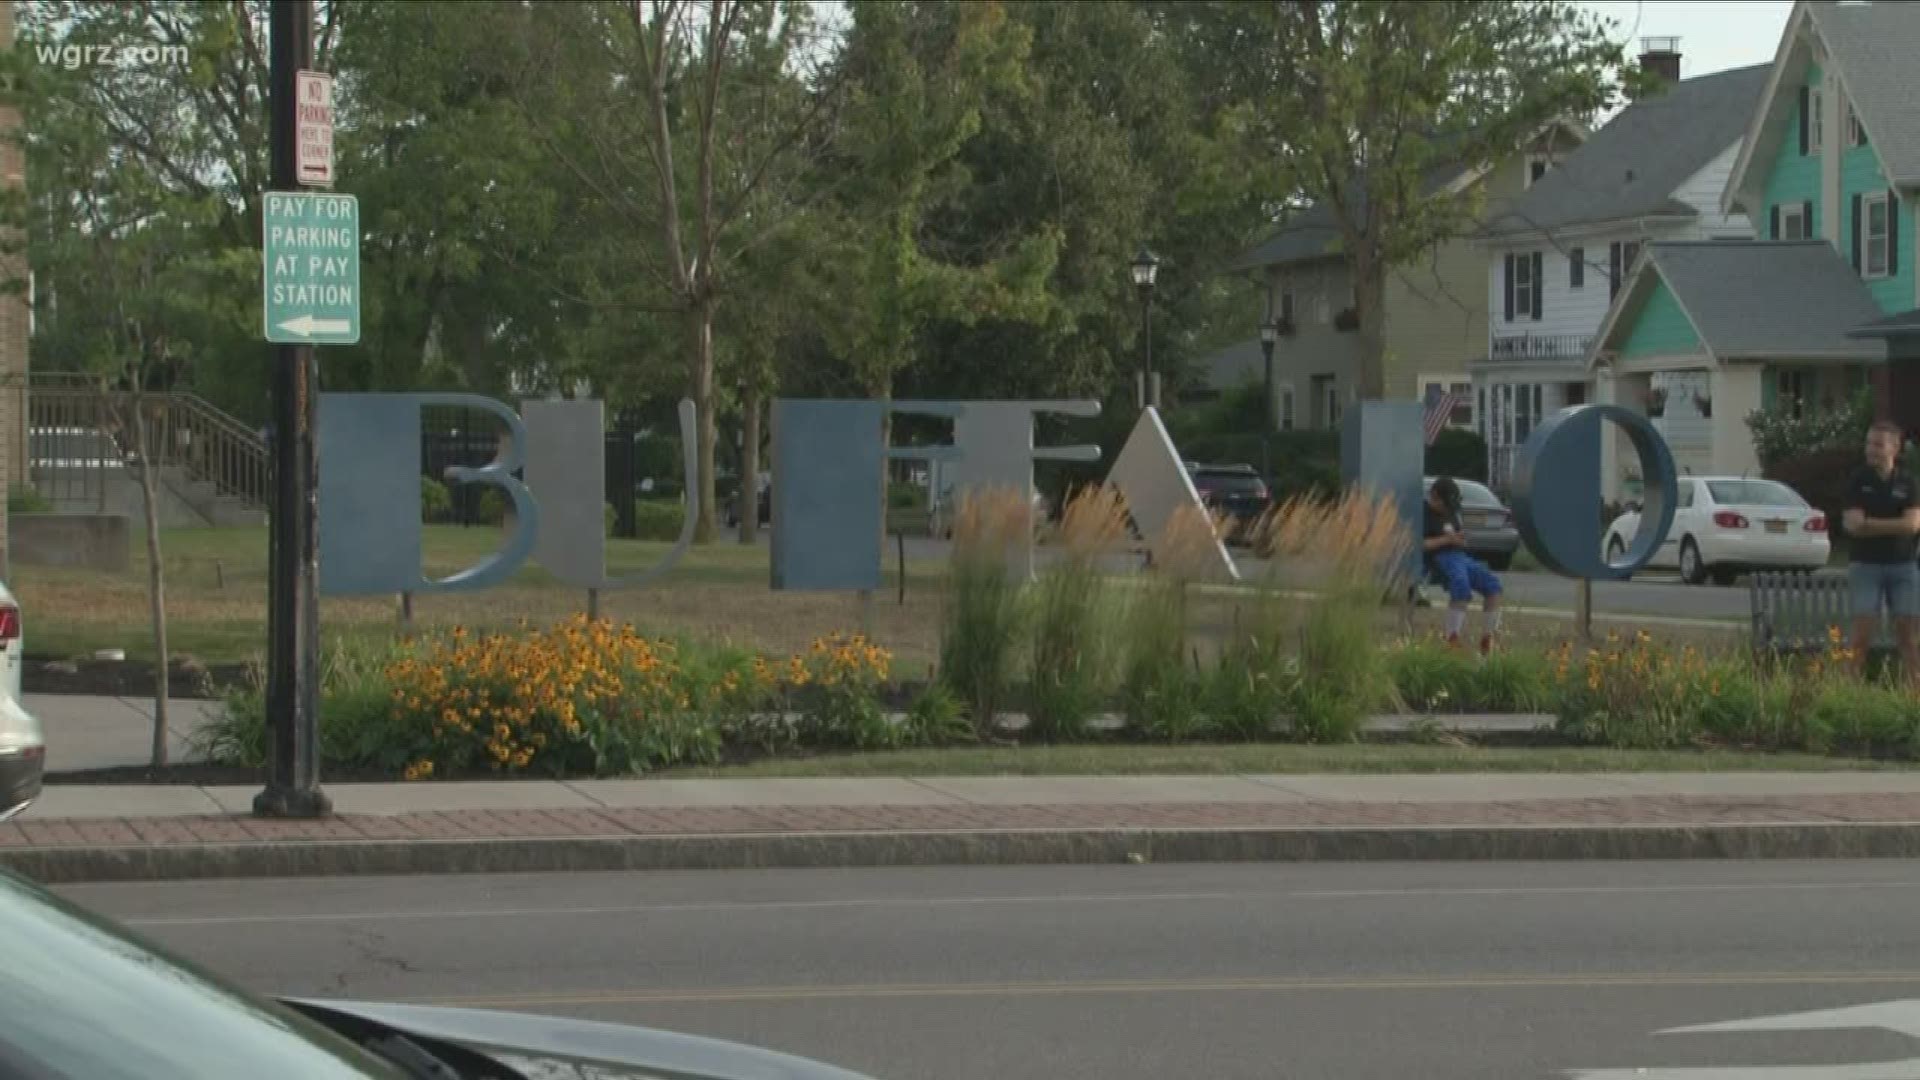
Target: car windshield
1224,480
80,998
1753,493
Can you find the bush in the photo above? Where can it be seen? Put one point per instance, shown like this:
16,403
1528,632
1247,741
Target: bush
26,500
981,628
1361,547
835,686
658,519
1071,602
492,509
1158,691
436,502
1458,453
356,723
902,496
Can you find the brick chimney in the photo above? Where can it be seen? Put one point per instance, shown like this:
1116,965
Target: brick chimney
1660,57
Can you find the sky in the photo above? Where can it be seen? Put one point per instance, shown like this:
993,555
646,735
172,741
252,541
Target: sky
1713,36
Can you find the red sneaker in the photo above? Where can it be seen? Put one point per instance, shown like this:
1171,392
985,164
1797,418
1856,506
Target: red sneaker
1486,644
1453,641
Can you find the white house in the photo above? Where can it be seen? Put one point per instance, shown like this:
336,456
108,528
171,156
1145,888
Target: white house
1563,249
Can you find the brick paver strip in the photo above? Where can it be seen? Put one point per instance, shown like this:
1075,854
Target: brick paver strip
761,820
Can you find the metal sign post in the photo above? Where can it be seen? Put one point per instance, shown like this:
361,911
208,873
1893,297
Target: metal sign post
293,612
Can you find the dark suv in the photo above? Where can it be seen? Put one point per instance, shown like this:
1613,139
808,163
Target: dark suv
1233,491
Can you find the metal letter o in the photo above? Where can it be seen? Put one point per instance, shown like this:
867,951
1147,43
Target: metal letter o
1556,492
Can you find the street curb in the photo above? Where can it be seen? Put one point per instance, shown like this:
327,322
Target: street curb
1812,840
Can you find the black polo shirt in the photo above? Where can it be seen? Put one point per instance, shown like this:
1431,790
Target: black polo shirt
1884,498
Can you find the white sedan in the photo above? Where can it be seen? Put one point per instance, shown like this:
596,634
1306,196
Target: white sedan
1723,525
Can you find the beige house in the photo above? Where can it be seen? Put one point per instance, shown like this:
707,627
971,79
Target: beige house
1436,312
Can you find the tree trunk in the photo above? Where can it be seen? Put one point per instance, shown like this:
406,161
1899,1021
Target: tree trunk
706,522
750,466
1369,293
156,584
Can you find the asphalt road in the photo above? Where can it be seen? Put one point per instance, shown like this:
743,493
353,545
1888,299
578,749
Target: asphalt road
1126,972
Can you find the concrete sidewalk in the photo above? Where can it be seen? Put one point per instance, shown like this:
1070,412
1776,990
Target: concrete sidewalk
87,732
117,832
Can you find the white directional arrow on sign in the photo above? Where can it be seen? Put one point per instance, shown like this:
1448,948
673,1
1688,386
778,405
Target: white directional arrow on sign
1900,1016
307,326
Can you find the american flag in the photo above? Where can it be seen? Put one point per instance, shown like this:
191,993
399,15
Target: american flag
1440,413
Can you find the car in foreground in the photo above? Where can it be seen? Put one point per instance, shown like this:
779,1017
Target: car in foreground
81,997
1233,492
1487,522
1725,525
23,747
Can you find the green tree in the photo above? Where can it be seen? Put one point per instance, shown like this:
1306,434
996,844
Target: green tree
917,74
141,222
1114,140
671,116
1357,103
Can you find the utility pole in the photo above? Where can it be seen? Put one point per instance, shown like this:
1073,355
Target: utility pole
293,560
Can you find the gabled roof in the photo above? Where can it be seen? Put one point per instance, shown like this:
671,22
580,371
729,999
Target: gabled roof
1754,300
1874,50
1314,233
1631,167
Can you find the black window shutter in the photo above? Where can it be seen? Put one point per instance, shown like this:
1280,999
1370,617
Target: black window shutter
1856,231
1806,220
1577,268
1613,269
1893,232
1509,285
1804,97
1539,283
1773,222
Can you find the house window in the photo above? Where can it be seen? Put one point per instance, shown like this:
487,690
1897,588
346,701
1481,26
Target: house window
1433,388
1285,391
1793,221
1874,235
1791,387
1537,166
1816,120
1523,285
1577,268
1856,135
1286,305
1326,400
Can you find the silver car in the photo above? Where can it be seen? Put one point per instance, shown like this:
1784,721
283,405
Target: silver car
1491,535
23,748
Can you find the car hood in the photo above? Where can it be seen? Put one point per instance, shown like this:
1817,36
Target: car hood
556,1048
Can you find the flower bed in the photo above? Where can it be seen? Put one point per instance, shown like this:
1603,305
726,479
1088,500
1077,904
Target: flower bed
592,699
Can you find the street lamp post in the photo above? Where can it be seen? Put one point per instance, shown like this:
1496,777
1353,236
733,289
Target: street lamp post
1146,267
1270,411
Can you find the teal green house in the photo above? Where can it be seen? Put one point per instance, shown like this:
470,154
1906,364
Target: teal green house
1825,298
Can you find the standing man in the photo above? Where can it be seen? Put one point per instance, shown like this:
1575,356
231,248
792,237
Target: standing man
1444,544
1882,519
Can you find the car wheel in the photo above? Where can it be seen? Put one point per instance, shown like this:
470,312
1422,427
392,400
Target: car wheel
1692,570
1500,561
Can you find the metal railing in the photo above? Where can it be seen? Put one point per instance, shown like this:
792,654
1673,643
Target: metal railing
1512,347
80,436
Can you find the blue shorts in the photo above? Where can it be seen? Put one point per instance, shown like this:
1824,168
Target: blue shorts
1892,586
1464,575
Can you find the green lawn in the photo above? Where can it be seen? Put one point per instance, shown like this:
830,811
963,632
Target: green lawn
216,583
1282,758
